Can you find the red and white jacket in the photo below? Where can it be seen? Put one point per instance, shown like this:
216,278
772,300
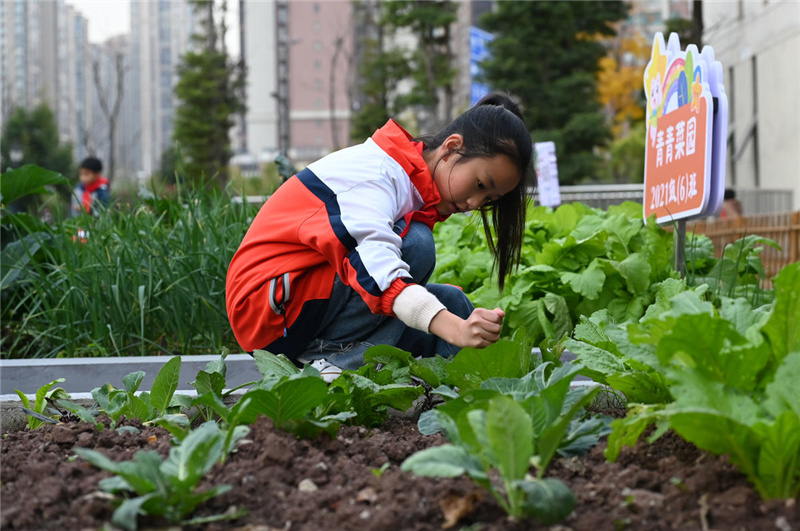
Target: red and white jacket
335,216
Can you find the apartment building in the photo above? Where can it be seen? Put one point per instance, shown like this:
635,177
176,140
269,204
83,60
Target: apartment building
757,44
161,33
45,58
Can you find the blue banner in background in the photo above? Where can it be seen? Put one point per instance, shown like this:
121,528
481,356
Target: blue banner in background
478,51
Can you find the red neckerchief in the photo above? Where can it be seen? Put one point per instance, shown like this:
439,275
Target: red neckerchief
399,145
88,189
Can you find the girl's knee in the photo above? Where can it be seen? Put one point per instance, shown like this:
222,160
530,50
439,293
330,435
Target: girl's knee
454,299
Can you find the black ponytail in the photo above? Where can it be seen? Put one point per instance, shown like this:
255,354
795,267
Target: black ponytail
495,126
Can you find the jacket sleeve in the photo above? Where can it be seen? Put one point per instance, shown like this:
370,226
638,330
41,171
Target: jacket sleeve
363,249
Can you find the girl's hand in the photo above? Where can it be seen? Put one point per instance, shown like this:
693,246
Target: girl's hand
480,329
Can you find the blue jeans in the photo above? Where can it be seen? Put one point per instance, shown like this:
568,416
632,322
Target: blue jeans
349,327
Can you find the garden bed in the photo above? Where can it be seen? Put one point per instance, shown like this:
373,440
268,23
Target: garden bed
667,485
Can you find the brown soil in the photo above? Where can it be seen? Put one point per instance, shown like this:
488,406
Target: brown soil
667,485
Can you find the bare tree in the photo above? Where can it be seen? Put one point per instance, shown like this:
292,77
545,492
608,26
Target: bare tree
111,107
86,138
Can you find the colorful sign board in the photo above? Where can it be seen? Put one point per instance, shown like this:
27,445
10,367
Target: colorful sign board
687,119
547,174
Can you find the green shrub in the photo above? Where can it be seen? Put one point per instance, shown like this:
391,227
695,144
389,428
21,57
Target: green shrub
143,282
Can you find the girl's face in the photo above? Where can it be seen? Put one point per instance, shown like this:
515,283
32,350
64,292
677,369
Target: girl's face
466,185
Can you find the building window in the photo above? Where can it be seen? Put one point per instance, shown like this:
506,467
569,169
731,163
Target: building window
318,84
317,64
317,46
316,7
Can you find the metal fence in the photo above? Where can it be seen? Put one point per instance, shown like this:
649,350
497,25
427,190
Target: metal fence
602,196
754,200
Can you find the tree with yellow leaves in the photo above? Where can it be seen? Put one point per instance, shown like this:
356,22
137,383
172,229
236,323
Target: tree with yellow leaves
619,83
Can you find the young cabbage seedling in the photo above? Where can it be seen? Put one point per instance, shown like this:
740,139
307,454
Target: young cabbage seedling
37,413
509,425
164,488
144,406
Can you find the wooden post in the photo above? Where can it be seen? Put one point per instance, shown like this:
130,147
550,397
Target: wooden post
680,248
793,252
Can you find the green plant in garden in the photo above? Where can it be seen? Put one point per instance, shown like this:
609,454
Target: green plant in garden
293,399
732,374
36,412
21,234
211,381
144,406
359,397
292,403
575,260
152,280
509,425
83,414
501,437
738,273
624,356
165,488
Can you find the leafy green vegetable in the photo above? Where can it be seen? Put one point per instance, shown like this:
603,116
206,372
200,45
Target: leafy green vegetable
36,412
472,366
737,273
733,378
783,328
611,358
144,406
508,424
164,488
86,415
575,260
165,384
499,436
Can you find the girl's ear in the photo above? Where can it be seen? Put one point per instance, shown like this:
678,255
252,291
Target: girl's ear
452,144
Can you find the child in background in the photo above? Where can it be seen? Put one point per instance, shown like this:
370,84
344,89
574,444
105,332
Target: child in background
92,188
731,207
338,259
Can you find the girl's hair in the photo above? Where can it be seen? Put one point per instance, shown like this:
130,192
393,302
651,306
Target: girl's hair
494,126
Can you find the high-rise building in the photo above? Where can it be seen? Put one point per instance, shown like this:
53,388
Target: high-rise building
320,48
302,60
44,58
160,34
299,67
259,49
21,71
